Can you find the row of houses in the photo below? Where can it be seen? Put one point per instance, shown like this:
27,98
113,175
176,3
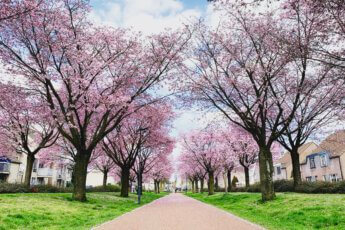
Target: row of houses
12,170
323,162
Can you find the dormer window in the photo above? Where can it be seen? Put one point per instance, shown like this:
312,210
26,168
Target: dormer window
312,162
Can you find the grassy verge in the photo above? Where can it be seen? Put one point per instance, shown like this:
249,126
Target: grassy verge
58,211
288,211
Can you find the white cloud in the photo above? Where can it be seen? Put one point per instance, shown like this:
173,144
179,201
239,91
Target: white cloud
149,16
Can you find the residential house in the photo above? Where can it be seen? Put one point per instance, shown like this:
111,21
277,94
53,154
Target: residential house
56,174
326,163
10,170
283,166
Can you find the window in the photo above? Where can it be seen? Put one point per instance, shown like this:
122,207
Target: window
4,167
312,162
308,178
34,167
40,165
333,177
323,160
279,170
325,178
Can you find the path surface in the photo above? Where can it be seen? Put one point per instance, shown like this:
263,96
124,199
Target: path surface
177,212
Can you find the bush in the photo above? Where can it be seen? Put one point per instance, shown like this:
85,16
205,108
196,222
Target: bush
13,188
108,188
49,189
21,188
322,187
234,181
305,187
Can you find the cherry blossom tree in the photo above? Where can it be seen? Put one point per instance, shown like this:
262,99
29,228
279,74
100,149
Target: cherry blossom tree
26,126
91,78
205,148
243,147
245,68
321,94
138,141
161,172
13,8
102,162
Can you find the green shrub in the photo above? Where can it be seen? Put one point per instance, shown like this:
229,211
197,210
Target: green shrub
305,187
49,189
13,188
283,185
234,181
21,188
108,188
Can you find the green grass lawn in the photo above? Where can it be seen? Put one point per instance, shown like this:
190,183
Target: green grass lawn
58,211
288,211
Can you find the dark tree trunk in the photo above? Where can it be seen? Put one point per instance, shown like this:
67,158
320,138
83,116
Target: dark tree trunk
229,180
125,172
202,186
196,186
193,186
216,184
28,171
158,188
211,183
296,170
266,173
80,174
105,178
246,174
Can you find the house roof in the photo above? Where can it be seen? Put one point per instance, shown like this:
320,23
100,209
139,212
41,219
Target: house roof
334,144
286,158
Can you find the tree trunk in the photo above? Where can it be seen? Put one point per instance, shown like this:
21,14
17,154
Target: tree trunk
80,174
225,183
216,184
266,174
296,170
155,184
28,171
124,181
246,174
211,183
229,180
202,186
158,188
193,187
105,178
196,186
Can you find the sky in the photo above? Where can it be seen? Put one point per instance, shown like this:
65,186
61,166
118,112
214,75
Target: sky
148,16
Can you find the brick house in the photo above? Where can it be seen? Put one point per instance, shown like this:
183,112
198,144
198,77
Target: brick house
327,162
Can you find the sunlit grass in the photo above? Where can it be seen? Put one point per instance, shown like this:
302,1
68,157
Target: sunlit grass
287,211
58,211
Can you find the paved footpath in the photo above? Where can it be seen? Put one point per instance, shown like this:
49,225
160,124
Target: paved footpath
177,212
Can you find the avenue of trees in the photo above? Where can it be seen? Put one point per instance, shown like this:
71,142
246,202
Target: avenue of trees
274,70
89,81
